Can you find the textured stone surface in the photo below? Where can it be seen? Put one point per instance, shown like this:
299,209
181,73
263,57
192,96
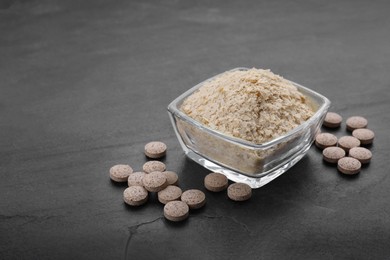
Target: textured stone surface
85,85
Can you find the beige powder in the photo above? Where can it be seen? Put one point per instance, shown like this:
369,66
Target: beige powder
255,105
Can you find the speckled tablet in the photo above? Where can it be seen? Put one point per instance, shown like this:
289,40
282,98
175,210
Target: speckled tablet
324,140
333,154
155,181
362,154
135,179
239,191
120,172
172,177
215,182
176,210
349,165
153,166
168,194
155,149
356,122
135,195
194,198
348,142
332,120
365,136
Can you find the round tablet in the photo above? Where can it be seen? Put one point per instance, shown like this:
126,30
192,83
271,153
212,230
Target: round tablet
324,140
195,199
215,182
332,120
348,142
155,181
153,166
120,172
168,194
239,191
135,179
349,165
135,195
356,122
360,153
155,149
176,210
171,177
333,154
365,136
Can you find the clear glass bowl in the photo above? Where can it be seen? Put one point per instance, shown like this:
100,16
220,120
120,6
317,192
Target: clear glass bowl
240,160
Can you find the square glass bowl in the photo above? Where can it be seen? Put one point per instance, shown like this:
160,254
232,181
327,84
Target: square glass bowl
241,160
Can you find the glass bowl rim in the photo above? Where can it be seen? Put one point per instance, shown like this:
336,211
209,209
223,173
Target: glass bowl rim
174,110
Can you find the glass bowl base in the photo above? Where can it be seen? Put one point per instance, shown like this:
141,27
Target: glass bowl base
253,181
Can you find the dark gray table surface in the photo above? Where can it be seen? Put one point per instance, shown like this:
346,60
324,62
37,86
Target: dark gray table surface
84,85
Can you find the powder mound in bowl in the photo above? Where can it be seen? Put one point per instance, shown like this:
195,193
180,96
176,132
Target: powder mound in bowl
255,105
